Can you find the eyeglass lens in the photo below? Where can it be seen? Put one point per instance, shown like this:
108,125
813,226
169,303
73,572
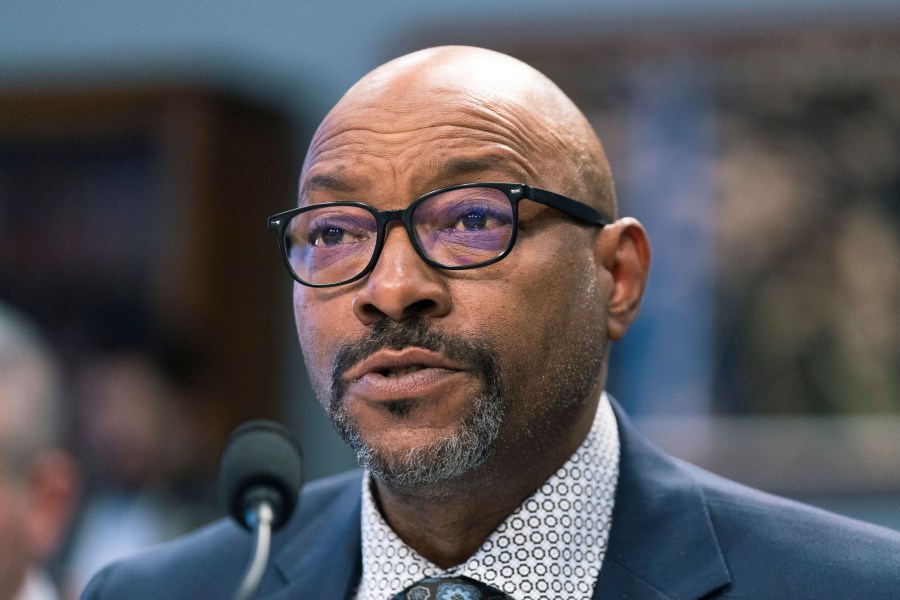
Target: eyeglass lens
457,228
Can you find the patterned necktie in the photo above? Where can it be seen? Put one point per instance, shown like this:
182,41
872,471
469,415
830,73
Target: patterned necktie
451,588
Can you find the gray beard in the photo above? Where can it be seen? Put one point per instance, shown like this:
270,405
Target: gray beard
426,469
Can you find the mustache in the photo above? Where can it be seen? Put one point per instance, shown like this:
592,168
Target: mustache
386,334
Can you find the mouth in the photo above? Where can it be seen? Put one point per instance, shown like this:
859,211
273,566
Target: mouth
393,373
390,375
393,364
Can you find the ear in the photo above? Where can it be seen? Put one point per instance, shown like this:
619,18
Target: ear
623,251
52,494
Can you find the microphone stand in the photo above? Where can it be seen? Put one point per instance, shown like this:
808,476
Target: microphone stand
260,473
260,518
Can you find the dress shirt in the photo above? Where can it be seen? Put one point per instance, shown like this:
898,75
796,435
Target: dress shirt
551,546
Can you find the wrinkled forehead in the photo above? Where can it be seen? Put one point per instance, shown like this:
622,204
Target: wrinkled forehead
463,104
410,107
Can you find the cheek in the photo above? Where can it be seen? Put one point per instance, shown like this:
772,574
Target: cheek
316,330
552,312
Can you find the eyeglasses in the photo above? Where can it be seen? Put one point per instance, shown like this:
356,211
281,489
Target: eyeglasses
459,227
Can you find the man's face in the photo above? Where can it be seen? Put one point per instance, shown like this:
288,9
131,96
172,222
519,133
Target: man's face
428,372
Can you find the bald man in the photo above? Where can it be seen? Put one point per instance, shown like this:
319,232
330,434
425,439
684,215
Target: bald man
459,274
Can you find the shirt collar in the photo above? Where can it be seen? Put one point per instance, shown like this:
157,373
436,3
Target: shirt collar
552,545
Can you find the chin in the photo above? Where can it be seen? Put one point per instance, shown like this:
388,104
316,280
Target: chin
430,466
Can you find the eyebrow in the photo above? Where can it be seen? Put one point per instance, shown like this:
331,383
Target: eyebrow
468,165
337,182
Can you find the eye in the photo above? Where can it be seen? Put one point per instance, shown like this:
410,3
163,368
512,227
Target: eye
331,229
463,213
474,220
332,236
478,218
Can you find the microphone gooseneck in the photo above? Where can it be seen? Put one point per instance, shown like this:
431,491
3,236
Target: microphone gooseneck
260,554
259,479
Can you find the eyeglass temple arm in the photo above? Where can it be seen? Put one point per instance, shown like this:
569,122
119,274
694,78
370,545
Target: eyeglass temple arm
579,210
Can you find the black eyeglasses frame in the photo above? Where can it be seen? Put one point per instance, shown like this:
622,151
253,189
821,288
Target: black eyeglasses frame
515,192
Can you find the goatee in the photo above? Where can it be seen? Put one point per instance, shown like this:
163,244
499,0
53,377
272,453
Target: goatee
463,451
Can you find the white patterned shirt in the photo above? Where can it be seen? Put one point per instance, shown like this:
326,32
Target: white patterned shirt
552,546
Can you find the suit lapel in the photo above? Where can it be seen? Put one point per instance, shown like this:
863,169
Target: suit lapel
662,543
322,558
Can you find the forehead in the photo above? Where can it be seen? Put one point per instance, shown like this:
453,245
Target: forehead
419,138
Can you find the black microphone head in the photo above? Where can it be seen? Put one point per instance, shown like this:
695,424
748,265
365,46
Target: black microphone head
261,461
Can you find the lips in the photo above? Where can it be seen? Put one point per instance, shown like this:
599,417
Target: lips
400,362
390,375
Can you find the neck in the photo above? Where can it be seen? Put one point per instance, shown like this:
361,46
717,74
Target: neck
448,524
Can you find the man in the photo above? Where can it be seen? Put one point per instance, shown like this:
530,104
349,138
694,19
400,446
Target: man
456,332
37,479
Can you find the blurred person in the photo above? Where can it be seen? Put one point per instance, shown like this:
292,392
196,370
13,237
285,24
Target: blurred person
460,273
148,477
38,480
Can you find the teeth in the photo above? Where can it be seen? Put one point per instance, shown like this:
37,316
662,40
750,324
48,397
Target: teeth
404,371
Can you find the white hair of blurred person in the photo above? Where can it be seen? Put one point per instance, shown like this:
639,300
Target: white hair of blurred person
38,483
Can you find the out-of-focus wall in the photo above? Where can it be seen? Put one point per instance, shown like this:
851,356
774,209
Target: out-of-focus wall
306,53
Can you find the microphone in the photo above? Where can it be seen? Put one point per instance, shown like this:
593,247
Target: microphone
259,479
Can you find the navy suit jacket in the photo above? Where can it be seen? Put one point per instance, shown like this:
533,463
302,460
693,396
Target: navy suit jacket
678,532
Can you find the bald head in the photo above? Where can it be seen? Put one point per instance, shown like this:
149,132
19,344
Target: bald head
473,89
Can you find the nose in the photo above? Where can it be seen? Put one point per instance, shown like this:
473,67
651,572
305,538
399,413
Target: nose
401,285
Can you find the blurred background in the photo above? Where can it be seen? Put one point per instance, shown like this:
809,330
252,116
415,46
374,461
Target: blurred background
142,146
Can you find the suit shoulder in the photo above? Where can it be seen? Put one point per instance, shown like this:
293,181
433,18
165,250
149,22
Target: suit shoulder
208,559
210,562
739,506
768,538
